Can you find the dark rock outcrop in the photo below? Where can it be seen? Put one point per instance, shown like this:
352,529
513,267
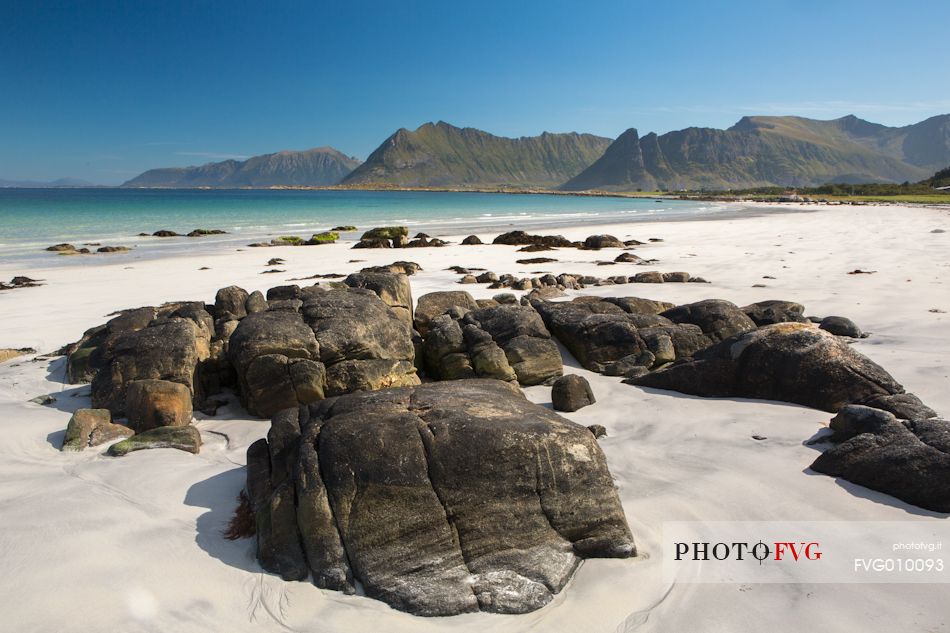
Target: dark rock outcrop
267,348
791,362
392,288
406,268
434,304
231,301
474,499
775,311
526,342
909,459
841,326
373,351
717,319
505,342
597,242
606,338
520,238
168,349
94,350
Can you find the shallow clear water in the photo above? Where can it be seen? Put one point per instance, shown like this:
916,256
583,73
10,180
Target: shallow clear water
31,219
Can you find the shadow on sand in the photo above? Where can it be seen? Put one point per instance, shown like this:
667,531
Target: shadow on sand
219,494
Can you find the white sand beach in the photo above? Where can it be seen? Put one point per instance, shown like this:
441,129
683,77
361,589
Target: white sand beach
135,543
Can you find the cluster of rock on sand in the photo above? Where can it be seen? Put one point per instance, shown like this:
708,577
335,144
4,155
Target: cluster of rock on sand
459,494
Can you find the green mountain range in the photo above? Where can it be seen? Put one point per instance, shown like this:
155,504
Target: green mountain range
442,155
757,151
768,151
314,167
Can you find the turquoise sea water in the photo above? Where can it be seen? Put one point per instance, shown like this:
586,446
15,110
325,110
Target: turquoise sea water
31,219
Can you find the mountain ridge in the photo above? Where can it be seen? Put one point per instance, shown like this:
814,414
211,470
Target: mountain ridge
319,166
59,183
771,151
441,154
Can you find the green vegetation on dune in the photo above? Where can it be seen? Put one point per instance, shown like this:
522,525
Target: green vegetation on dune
439,154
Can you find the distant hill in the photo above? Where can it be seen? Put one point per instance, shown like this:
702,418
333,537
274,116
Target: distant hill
771,151
50,184
317,167
442,155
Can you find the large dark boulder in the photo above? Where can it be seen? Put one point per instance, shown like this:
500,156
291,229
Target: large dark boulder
453,351
791,362
392,288
94,350
597,242
775,311
169,349
605,338
434,304
439,499
909,459
841,326
520,332
277,359
363,343
231,301
520,238
570,393
717,319
639,305
297,346
386,233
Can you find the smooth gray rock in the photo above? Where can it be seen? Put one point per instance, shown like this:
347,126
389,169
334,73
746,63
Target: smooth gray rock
440,499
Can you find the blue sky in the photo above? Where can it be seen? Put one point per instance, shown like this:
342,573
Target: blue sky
105,90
